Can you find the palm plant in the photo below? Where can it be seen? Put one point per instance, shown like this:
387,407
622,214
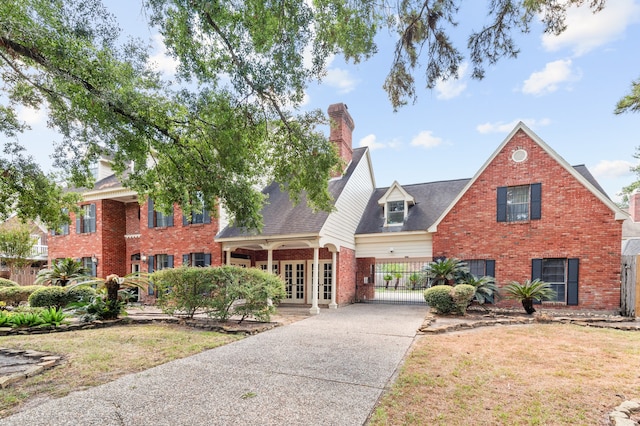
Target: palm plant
486,289
63,272
528,292
112,303
445,271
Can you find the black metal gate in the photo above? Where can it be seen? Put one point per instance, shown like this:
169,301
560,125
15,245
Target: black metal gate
393,282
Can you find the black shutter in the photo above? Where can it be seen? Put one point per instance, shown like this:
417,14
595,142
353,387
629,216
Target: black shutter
150,260
170,261
536,273
185,221
79,222
207,259
92,213
185,260
206,217
150,214
536,201
502,204
170,218
490,268
572,281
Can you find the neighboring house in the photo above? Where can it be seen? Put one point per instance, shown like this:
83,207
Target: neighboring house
631,257
525,214
39,252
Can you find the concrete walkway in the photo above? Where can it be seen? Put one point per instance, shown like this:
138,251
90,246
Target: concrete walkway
328,369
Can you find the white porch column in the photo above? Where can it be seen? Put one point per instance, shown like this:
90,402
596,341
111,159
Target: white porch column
270,260
334,274
314,287
228,260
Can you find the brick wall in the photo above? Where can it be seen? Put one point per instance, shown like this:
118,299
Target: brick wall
364,266
346,289
574,223
111,225
81,245
179,239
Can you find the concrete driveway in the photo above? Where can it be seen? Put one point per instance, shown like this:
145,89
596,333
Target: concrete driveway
328,369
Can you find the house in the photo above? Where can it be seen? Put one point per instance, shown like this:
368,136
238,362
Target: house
39,251
525,214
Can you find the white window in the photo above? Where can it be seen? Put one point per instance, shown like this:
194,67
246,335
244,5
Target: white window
395,212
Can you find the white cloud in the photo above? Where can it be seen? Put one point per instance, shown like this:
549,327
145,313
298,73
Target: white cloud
341,80
31,116
371,142
453,87
549,79
587,31
502,127
426,139
612,169
161,61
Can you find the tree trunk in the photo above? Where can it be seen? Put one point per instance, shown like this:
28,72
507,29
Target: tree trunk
527,304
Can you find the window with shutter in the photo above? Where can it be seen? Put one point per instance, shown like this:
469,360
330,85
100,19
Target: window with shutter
519,203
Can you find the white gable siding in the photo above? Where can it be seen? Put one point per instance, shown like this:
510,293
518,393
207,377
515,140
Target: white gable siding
415,245
341,225
396,195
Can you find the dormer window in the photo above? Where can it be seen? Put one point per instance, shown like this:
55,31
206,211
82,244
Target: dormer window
395,212
395,204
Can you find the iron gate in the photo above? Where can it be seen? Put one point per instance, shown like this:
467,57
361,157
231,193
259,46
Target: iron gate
393,282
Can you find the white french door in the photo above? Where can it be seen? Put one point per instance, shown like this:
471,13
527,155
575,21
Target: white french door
294,278
325,279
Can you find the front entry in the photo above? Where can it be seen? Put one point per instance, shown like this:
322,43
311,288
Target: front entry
294,278
325,278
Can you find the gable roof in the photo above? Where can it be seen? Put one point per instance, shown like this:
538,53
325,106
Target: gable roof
431,199
580,173
281,217
396,186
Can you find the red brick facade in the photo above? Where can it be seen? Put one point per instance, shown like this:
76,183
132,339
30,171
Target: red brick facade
574,224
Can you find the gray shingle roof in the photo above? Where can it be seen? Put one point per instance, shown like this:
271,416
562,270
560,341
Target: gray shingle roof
281,217
582,169
431,200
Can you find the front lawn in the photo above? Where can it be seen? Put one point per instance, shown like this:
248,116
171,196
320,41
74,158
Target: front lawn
516,375
97,356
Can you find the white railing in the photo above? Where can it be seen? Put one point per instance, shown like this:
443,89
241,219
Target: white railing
40,251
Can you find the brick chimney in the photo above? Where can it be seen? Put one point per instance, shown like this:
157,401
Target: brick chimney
634,205
341,130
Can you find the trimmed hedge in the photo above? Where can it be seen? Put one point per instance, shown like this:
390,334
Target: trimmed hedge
59,297
445,299
15,295
8,283
221,291
439,299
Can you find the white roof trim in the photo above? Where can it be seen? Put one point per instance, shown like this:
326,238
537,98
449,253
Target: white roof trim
395,185
619,214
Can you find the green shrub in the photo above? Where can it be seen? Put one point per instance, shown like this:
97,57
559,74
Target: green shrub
52,316
78,294
462,294
15,295
221,292
45,297
439,299
8,283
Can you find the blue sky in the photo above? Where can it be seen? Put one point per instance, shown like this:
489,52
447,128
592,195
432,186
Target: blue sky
564,88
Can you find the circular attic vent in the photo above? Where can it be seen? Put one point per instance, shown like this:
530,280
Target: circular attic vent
519,155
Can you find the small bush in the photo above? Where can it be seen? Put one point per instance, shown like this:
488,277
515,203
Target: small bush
15,295
439,299
8,283
462,295
78,294
53,296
